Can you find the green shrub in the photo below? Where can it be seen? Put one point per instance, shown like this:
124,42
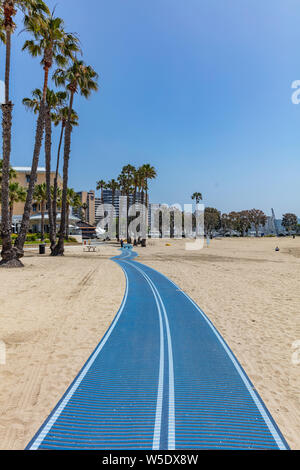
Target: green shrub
32,237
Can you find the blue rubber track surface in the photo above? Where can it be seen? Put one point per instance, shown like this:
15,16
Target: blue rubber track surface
161,378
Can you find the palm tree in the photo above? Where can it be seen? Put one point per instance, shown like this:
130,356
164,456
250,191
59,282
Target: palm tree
61,117
126,182
40,196
136,183
54,101
198,197
73,200
114,186
83,78
140,182
149,173
2,30
58,196
126,179
55,46
33,9
100,186
16,194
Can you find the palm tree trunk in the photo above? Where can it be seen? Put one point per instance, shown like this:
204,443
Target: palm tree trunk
59,248
48,144
8,254
56,178
11,211
43,221
19,243
7,64
127,215
145,212
67,223
113,212
46,77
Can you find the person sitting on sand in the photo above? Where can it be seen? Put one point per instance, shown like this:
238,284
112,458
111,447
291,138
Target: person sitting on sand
277,249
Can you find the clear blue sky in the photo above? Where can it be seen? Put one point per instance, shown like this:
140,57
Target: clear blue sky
199,88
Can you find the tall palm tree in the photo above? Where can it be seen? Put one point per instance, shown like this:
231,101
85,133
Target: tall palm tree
12,176
126,181
114,186
137,182
54,101
60,117
100,186
82,78
58,196
56,47
197,197
149,173
16,194
40,196
33,9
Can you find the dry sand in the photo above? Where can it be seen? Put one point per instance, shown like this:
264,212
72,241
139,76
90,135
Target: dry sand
54,312
252,295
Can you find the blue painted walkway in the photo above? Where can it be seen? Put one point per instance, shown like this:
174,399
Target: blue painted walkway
161,378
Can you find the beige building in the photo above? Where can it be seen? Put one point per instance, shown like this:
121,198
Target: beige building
23,176
88,212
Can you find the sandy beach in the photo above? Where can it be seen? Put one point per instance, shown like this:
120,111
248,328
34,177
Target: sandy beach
53,314
252,295
55,311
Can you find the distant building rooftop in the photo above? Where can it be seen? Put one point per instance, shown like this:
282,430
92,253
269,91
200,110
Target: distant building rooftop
28,169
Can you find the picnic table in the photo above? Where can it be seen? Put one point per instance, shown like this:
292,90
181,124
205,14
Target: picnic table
90,246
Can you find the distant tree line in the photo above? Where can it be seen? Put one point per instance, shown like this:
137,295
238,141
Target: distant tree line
240,222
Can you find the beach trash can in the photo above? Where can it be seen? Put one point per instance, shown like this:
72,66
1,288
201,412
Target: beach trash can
144,242
42,249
